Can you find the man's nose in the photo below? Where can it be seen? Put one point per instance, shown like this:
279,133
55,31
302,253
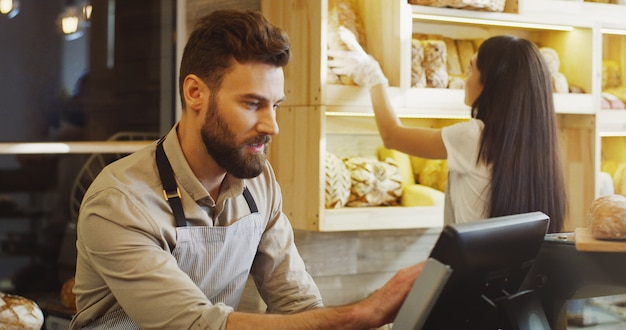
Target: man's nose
267,122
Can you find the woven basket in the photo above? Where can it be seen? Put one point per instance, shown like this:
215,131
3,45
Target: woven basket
488,5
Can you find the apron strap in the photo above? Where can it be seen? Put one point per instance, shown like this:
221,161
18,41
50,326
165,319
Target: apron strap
251,203
171,192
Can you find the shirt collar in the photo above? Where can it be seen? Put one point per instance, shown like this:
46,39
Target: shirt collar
231,186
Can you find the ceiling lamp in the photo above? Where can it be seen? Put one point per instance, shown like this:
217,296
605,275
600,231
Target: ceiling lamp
87,9
9,7
73,20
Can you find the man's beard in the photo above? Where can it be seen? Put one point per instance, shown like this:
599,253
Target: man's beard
220,142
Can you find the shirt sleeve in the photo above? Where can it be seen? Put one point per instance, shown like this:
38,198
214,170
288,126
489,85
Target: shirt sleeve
126,262
462,143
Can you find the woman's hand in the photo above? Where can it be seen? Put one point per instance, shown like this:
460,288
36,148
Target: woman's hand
356,63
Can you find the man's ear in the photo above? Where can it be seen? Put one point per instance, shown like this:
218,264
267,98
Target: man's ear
194,91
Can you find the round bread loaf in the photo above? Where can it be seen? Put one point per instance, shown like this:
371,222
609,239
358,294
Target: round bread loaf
68,299
19,313
606,217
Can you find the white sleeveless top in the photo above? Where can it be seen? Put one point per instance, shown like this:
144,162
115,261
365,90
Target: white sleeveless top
469,182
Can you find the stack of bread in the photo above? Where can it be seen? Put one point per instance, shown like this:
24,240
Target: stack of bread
441,62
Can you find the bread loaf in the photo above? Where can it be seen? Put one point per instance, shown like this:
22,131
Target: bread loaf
343,13
453,61
465,49
434,63
418,76
559,81
19,313
338,182
374,182
606,218
68,298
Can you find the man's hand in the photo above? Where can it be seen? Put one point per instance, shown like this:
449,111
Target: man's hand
356,63
386,302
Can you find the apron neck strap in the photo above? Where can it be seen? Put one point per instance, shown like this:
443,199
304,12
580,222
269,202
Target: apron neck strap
171,192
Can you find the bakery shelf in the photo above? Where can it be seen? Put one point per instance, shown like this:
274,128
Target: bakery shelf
501,19
381,217
407,102
560,32
318,117
612,122
431,102
575,11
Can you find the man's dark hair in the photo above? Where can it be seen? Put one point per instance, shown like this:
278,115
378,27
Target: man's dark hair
225,36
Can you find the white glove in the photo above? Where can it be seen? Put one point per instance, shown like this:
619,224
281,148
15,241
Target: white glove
356,63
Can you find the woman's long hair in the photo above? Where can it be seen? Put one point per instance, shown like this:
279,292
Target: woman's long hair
520,138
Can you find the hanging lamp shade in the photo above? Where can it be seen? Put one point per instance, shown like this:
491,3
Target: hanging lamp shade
9,7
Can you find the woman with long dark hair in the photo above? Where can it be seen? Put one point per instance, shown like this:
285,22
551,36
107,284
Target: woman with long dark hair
505,159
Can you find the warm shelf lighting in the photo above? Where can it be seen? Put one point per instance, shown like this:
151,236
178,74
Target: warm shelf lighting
614,31
400,115
491,22
9,7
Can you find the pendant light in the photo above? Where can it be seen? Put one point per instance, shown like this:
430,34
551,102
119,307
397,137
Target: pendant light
9,7
74,19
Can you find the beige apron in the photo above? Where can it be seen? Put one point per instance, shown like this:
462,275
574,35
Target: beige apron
206,254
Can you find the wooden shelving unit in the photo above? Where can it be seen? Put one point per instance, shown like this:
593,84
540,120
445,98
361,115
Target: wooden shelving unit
316,113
